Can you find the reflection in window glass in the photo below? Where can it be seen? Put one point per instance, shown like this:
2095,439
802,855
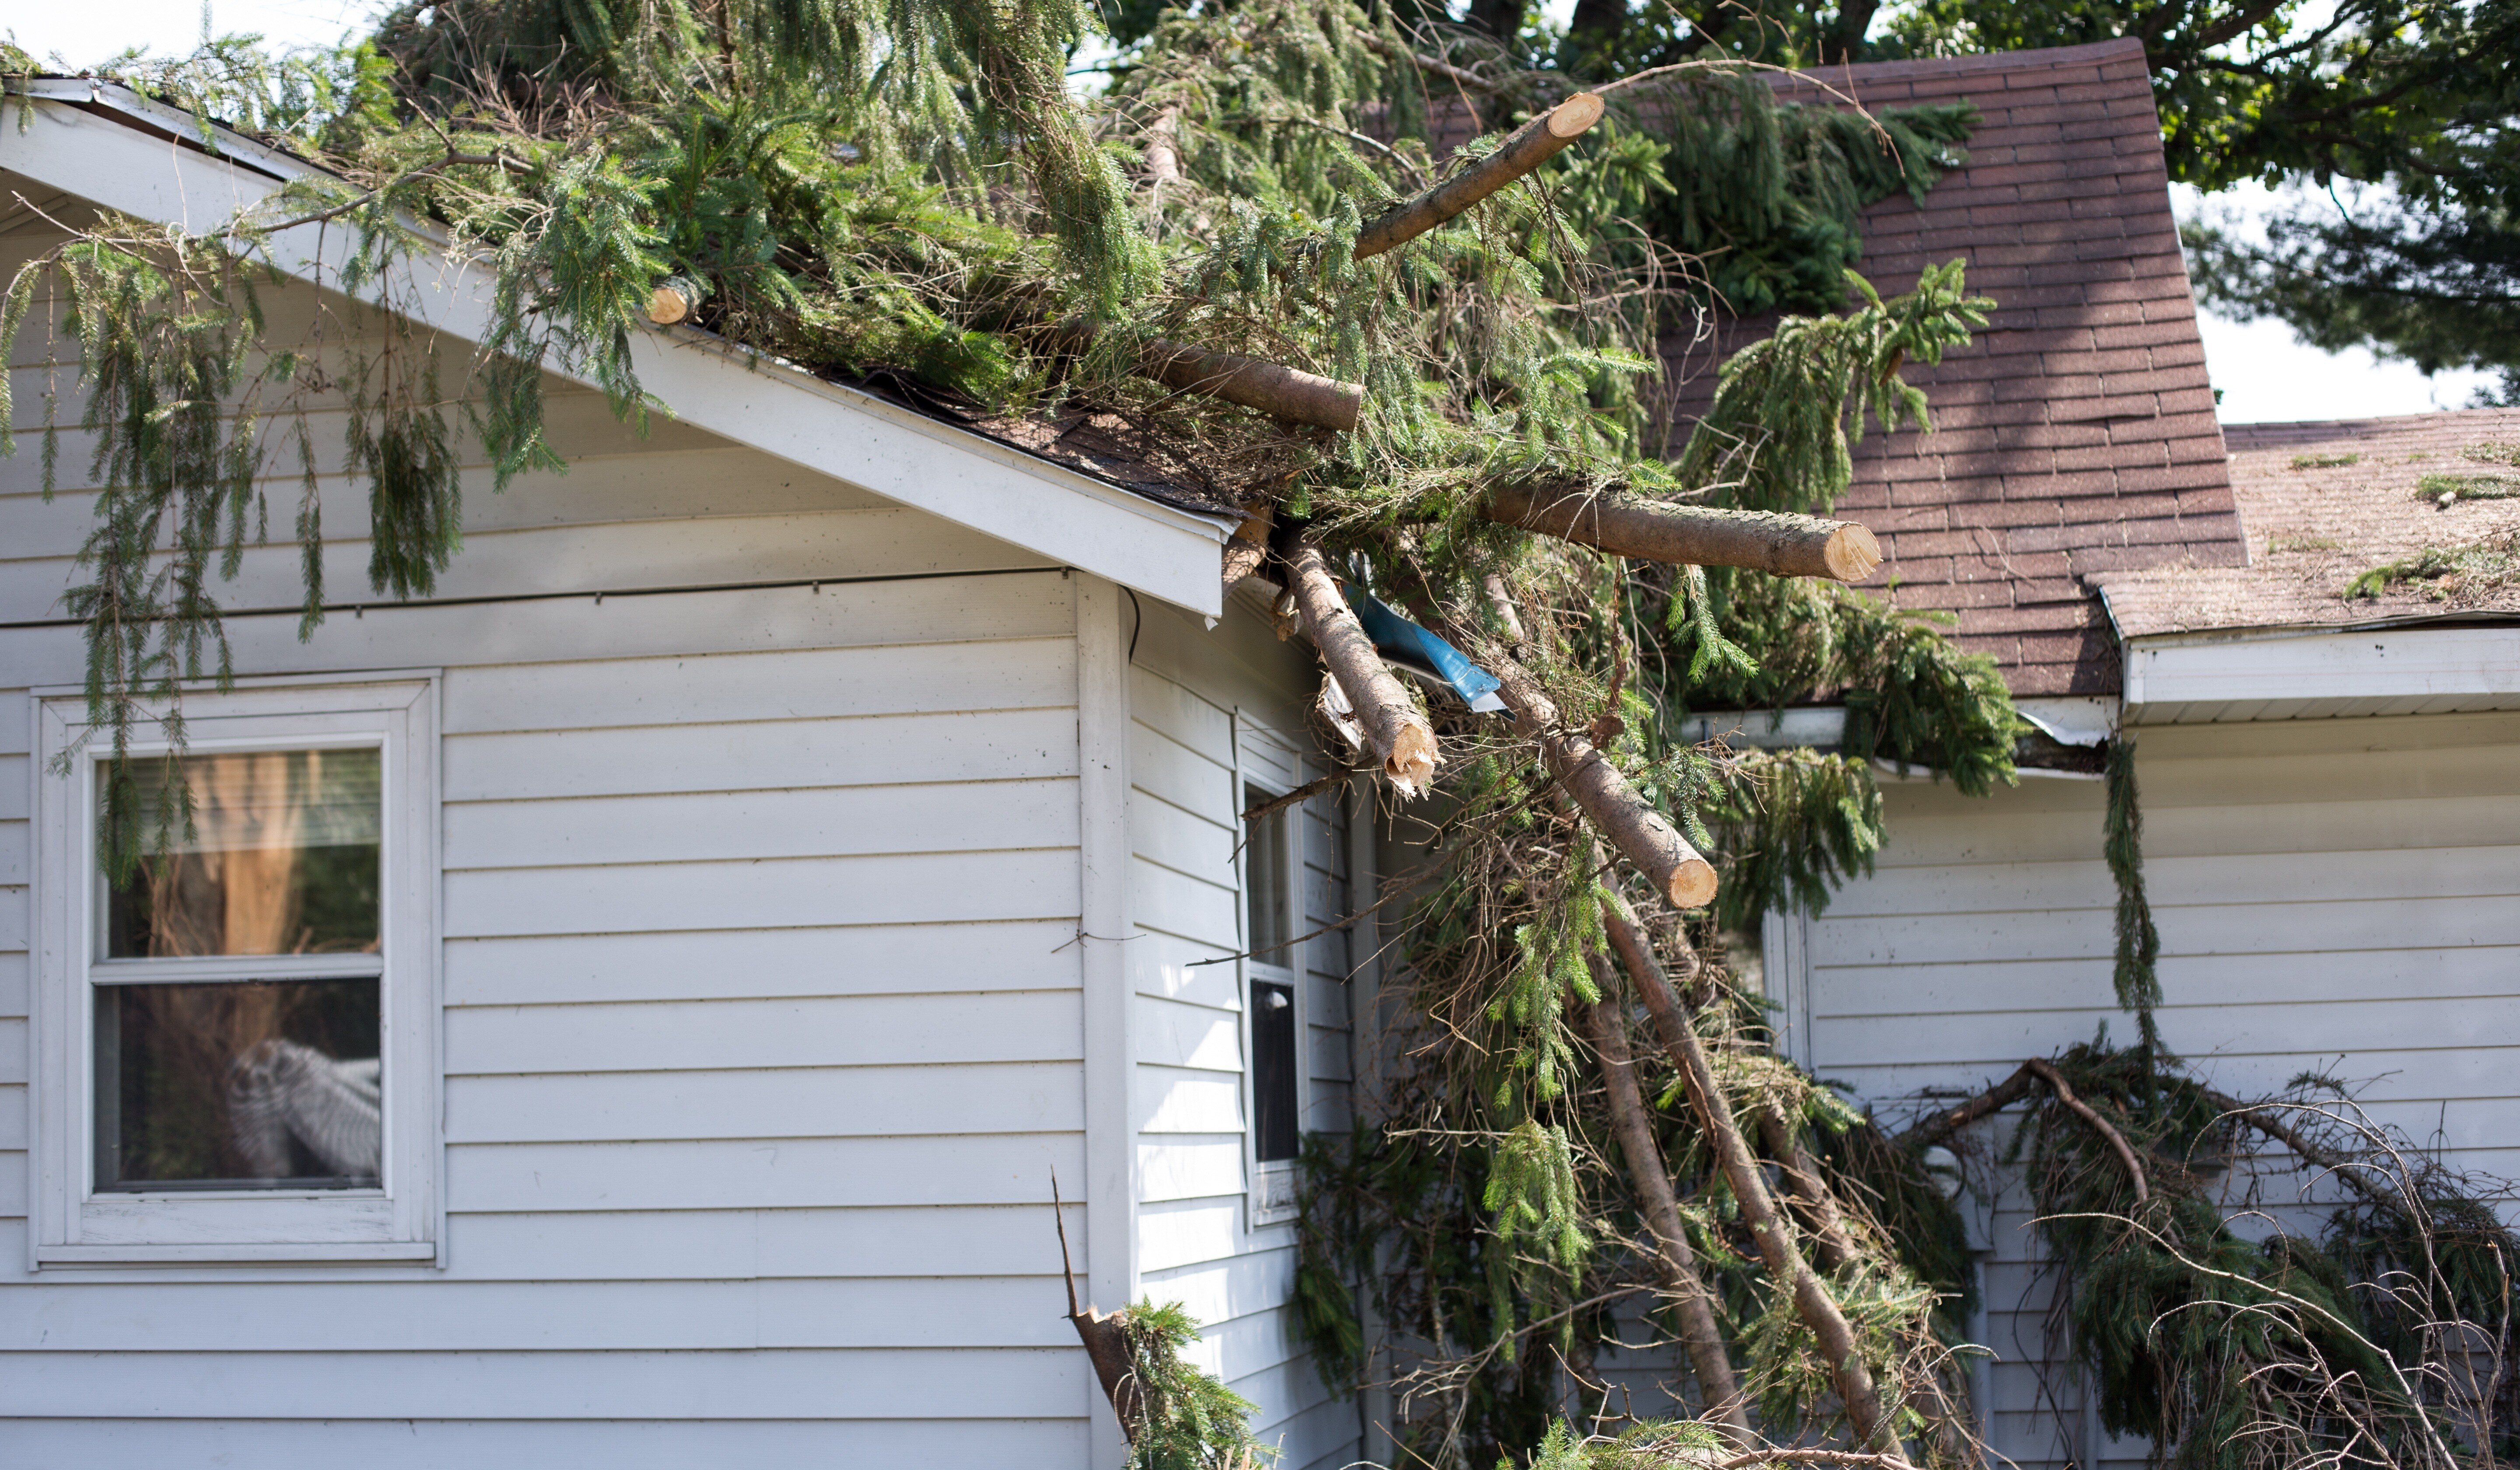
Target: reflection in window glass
239,1084
1273,1071
1264,886
280,858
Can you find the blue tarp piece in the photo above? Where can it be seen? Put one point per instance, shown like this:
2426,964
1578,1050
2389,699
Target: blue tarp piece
1406,643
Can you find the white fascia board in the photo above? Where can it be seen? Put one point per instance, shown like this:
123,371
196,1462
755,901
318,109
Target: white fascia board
992,488
2385,664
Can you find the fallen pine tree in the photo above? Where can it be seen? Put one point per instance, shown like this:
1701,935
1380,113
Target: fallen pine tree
1420,366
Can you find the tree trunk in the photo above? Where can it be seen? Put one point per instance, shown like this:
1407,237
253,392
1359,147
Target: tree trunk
1788,546
1785,1259
1500,18
1699,1329
1400,735
1533,144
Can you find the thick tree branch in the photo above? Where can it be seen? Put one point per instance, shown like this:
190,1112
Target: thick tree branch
1273,388
1927,1132
1248,547
1642,835
1401,737
1533,144
1812,1198
1818,1310
1790,546
2064,1092
1933,1128
1606,1023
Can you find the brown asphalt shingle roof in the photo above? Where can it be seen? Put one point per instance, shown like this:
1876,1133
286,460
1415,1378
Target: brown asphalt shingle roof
2076,435
2314,524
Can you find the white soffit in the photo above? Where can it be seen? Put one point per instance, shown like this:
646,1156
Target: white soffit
753,400
2437,669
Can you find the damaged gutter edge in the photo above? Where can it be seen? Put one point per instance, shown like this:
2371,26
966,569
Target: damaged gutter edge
2083,721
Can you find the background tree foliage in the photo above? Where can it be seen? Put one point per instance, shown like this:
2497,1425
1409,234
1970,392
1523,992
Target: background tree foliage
2392,121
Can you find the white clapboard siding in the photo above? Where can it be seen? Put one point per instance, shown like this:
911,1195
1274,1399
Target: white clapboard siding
2337,894
807,960
763,1033
625,1442
1195,695
889,1383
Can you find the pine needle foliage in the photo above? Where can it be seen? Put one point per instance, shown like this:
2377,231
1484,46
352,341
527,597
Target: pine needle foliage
2352,1340
1185,1419
2137,941
1772,199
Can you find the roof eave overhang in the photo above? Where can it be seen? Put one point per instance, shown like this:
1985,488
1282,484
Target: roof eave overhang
119,151
2383,666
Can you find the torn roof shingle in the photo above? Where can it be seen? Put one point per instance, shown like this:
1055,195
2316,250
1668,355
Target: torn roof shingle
2324,503
2076,435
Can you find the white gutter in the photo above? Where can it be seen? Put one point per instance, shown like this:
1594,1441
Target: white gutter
2079,720
754,400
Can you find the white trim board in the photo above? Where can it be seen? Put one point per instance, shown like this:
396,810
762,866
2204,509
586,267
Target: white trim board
2071,720
751,399
2186,680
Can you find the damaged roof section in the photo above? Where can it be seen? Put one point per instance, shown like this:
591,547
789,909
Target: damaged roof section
2325,505
2076,435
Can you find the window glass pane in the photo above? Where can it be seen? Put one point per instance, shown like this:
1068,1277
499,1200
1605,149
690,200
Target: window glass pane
281,858
1273,1071
237,1085
1264,882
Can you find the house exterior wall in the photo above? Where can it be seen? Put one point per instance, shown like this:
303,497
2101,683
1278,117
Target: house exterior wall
1211,709
2339,895
762,1023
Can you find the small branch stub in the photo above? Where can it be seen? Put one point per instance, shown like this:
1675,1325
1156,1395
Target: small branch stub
1626,525
1533,144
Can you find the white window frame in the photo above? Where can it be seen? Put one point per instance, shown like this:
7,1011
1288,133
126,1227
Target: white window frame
1270,1197
398,1222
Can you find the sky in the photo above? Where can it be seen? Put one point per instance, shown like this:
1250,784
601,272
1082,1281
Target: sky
2264,371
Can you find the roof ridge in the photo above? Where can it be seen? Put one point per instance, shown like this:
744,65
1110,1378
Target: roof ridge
2046,57
2309,430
